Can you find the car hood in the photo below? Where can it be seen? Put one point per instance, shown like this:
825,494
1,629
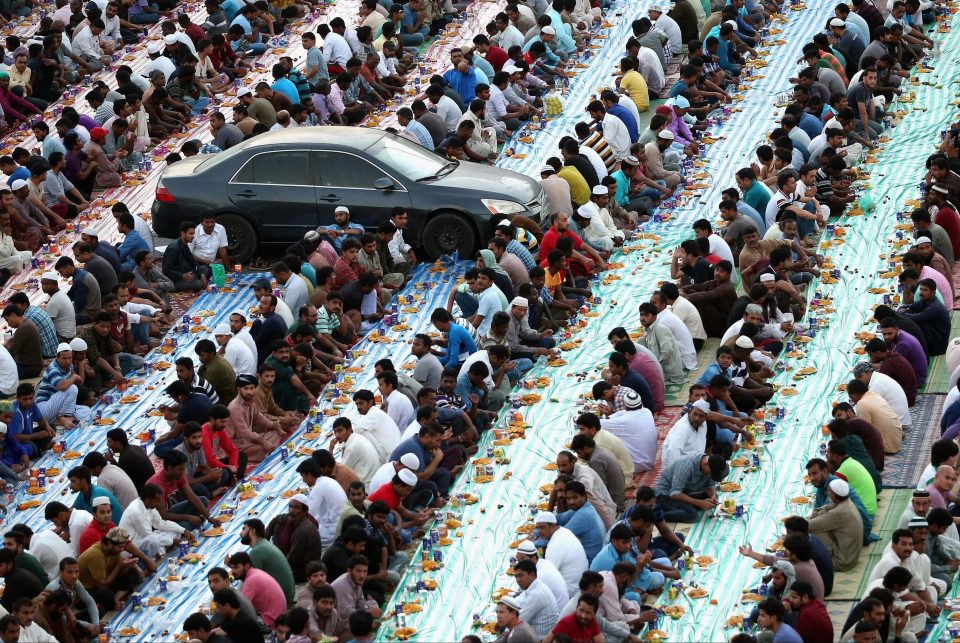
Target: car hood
492,181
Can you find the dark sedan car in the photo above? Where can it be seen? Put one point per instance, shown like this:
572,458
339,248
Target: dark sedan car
276,186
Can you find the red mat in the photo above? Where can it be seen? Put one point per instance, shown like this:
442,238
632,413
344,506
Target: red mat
956,286
664,420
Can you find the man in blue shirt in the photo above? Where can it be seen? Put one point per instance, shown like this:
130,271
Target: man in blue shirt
80,482
414,30
612,104
284,85
460,344
341,227
461,77
408,122
619,550
582,519
547,37
26,413
133,242
231,8
57,394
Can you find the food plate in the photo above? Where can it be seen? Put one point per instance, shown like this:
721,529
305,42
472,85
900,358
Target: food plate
104,421
655,636
72,455
730,486
750,597
213,532
129,399
704,561
800,500
127,632
404,633
674,611
697,592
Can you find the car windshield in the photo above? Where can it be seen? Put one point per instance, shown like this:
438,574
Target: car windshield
407,158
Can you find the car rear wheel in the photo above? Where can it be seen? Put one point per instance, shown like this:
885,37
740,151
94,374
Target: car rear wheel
447,232
241,237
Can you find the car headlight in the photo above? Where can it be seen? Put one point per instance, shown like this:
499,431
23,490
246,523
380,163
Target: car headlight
502,206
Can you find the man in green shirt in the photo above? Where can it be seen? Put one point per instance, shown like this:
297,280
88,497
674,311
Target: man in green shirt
266,556
288,390
13,540
216,370
854,473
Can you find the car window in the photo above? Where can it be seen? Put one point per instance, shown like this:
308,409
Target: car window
339,170
277,168
406,158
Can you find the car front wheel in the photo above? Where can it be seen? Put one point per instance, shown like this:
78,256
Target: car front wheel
241,237
447,232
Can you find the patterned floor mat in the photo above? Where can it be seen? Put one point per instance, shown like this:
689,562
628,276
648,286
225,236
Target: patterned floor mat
664,421
902,469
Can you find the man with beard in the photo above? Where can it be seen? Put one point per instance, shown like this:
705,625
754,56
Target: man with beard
262,589
296,535
264,555
251,431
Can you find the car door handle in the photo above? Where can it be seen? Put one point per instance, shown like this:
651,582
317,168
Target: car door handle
331,198
247,193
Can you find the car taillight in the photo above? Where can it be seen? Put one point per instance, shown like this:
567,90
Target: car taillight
163,194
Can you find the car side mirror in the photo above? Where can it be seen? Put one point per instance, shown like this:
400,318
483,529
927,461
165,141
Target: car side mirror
383,183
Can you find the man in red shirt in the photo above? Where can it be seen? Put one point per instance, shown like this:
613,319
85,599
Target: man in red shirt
348,267
813,622
494,55
98,527
121,333
581,626
180,504
394,492
216,441
559,222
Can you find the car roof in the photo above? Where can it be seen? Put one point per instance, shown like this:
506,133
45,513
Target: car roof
354,137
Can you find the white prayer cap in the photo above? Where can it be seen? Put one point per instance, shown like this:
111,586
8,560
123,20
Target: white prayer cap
302,499
223,328
585,212
90,231
153,48
732,23
765,277
527,547
703,405
838,22
3,428
18,184
546,518
410,461
170,39
408,477
243,91
548,30
939,189
600,190
923,239
520,302
744,342
50,275
63,346
840,487
666,135
100,500
78,345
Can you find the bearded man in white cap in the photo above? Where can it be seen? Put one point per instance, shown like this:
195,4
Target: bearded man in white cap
839,526
234,350
522,340
602,230
547,572
297,535
11,259
58,390
561,548
653,158
251,431
667,25
688,435
934,258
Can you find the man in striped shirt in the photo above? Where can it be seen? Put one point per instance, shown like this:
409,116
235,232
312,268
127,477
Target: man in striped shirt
57,392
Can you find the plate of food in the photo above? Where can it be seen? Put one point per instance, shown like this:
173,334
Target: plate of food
28,504
430,565
484,479
403,633
550,466
655,636
36,491
750,597
674,611
704,561
697,592
154,601
72,455
213,532
800,500
104,421
557,362
730,486
526,528
126,632
735,620
740,462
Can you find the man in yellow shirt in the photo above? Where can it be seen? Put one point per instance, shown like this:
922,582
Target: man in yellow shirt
633,85
579,188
